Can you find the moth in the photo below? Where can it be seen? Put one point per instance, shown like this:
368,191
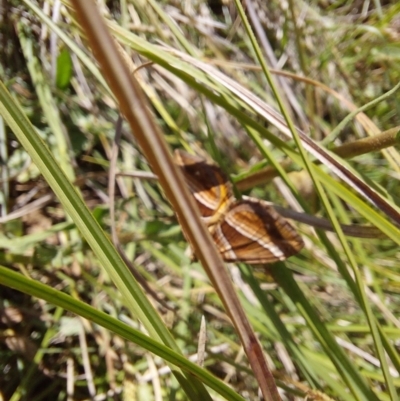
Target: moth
246,230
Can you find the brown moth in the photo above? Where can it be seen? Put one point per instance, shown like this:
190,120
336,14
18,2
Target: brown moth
247,230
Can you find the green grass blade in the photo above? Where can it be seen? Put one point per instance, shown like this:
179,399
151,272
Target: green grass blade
56,297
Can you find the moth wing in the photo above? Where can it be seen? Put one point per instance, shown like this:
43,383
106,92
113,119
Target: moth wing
253,232
208,184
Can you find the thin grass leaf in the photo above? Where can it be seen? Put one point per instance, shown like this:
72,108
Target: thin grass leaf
53,296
